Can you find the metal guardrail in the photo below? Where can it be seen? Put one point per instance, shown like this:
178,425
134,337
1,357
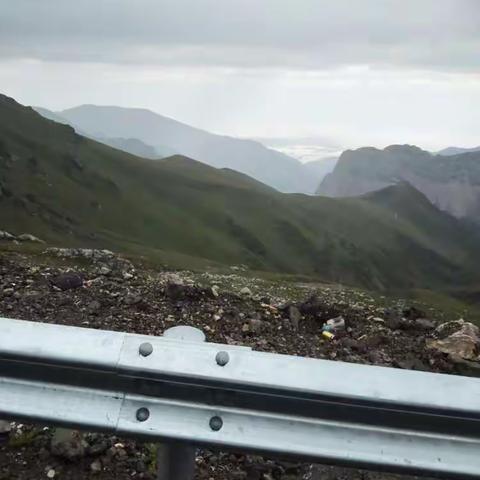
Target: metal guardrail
173,389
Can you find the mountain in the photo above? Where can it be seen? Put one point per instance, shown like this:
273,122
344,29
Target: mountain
46,113
321,167
247,156
457,150
129,145
451,182
73,191
133,146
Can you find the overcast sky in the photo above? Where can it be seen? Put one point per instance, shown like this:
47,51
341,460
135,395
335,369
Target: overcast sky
342,72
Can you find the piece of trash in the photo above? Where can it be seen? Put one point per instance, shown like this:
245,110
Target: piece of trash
328,335
337,323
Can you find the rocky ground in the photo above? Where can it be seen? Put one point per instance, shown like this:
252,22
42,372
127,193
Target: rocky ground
100,290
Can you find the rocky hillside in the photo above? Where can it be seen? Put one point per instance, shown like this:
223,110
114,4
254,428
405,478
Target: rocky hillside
450,181
98,289
69,190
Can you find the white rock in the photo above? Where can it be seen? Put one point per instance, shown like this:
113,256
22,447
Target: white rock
96,466
246,292
27,237
6,236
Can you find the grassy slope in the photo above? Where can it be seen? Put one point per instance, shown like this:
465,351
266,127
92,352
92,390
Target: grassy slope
74,191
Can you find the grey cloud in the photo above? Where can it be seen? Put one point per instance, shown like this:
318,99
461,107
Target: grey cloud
311,34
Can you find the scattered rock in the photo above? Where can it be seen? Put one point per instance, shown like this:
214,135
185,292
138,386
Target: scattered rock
68,444
245,292
51,473
67,281
27,237
411,362
104,270
463,343
394,323
98,447
372,341
132,299
176,290
107,261
96,466
294,315
412,313
255,325
424,324
314,307
228,318
351,343
6,236
80,253
94,307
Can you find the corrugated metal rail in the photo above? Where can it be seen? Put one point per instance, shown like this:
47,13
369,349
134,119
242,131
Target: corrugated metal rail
168,389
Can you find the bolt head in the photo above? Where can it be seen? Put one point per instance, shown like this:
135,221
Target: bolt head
222,358
216,423
143,414
145,349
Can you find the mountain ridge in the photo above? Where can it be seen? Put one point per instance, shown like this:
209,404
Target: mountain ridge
72,191
456,150
247,156
450,182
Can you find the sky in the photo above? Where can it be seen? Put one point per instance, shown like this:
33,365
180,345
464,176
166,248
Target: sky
329,73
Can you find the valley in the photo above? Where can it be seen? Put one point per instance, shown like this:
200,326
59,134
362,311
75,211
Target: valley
72,191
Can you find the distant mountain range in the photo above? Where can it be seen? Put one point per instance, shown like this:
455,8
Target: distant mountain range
73,191
127,144
450,181
148,134
457,150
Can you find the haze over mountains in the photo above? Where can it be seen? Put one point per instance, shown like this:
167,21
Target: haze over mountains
71,190
138,130
451,181
457,150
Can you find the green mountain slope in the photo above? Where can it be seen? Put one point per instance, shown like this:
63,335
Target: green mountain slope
71,190
247,156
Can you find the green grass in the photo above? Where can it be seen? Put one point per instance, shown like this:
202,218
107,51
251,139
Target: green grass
180,213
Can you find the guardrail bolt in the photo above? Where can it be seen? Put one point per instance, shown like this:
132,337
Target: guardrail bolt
145,349
143,414
216,423
222,358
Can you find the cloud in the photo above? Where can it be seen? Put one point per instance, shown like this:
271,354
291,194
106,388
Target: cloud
246,34
343,72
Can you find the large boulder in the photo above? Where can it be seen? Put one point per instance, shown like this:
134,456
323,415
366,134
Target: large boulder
6,236
67,281
460,340
28,237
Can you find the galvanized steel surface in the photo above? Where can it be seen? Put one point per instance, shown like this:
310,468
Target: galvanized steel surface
335,412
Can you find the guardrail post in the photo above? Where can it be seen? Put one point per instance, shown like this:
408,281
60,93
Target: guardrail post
177,461
4,431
